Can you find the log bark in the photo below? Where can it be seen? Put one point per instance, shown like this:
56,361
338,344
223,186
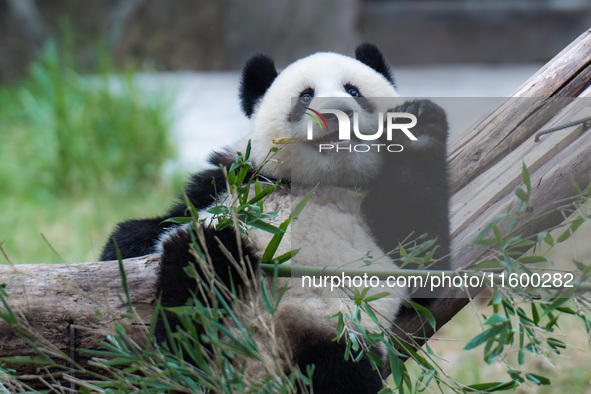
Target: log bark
485,168
511,123
73,306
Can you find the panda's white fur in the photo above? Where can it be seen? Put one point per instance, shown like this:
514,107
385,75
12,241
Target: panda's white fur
330,232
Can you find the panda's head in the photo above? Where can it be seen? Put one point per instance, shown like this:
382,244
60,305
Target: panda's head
277,105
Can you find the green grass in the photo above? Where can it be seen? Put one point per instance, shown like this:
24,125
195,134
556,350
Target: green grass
76,229
76,155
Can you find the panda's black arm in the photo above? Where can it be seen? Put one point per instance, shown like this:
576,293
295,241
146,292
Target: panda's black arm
173,283
134,238
411,194
420,208
138,237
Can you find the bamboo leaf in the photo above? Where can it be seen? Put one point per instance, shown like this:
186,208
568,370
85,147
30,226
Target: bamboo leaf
537,379
301,205
274,243
425,312
260,224
285,256
495,319
526,179
397,369
492,386
485,336
532,259
521,194
262,194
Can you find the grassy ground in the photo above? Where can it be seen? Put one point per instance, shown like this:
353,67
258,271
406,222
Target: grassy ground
568,372
75,229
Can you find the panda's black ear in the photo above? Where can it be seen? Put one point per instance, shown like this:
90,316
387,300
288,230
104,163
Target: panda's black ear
370,55
257,75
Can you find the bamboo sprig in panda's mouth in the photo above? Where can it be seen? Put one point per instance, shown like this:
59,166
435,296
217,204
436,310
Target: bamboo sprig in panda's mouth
331,138
287,140
291,140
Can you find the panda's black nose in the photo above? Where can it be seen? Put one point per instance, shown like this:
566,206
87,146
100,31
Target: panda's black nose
349,113
331,117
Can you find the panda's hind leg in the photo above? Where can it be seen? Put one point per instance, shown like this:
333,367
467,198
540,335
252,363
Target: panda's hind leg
175,287
332,373
311,343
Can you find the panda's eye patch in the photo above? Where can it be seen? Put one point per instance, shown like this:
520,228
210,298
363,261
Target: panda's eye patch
306,95
352,90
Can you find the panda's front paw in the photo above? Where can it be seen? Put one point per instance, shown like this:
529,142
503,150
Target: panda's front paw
174,285
426,112
431,129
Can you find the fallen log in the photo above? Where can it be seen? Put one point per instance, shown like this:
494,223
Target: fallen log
485,168
53,297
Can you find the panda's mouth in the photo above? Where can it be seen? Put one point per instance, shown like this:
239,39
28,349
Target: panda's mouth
333,139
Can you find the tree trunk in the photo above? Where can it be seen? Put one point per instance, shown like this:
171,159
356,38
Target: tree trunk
485,168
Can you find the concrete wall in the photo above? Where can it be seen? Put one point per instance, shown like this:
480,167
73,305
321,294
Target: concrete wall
427,32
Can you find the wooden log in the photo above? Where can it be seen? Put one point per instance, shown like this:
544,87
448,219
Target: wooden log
485,163
566,75
72,304
503,176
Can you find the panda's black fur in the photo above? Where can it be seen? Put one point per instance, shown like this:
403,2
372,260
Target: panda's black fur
414,198
369,54
410,195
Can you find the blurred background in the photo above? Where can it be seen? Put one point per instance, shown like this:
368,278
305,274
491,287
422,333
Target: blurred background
439,48
105,107
219,35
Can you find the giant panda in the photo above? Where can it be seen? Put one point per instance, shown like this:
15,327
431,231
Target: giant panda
363,204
